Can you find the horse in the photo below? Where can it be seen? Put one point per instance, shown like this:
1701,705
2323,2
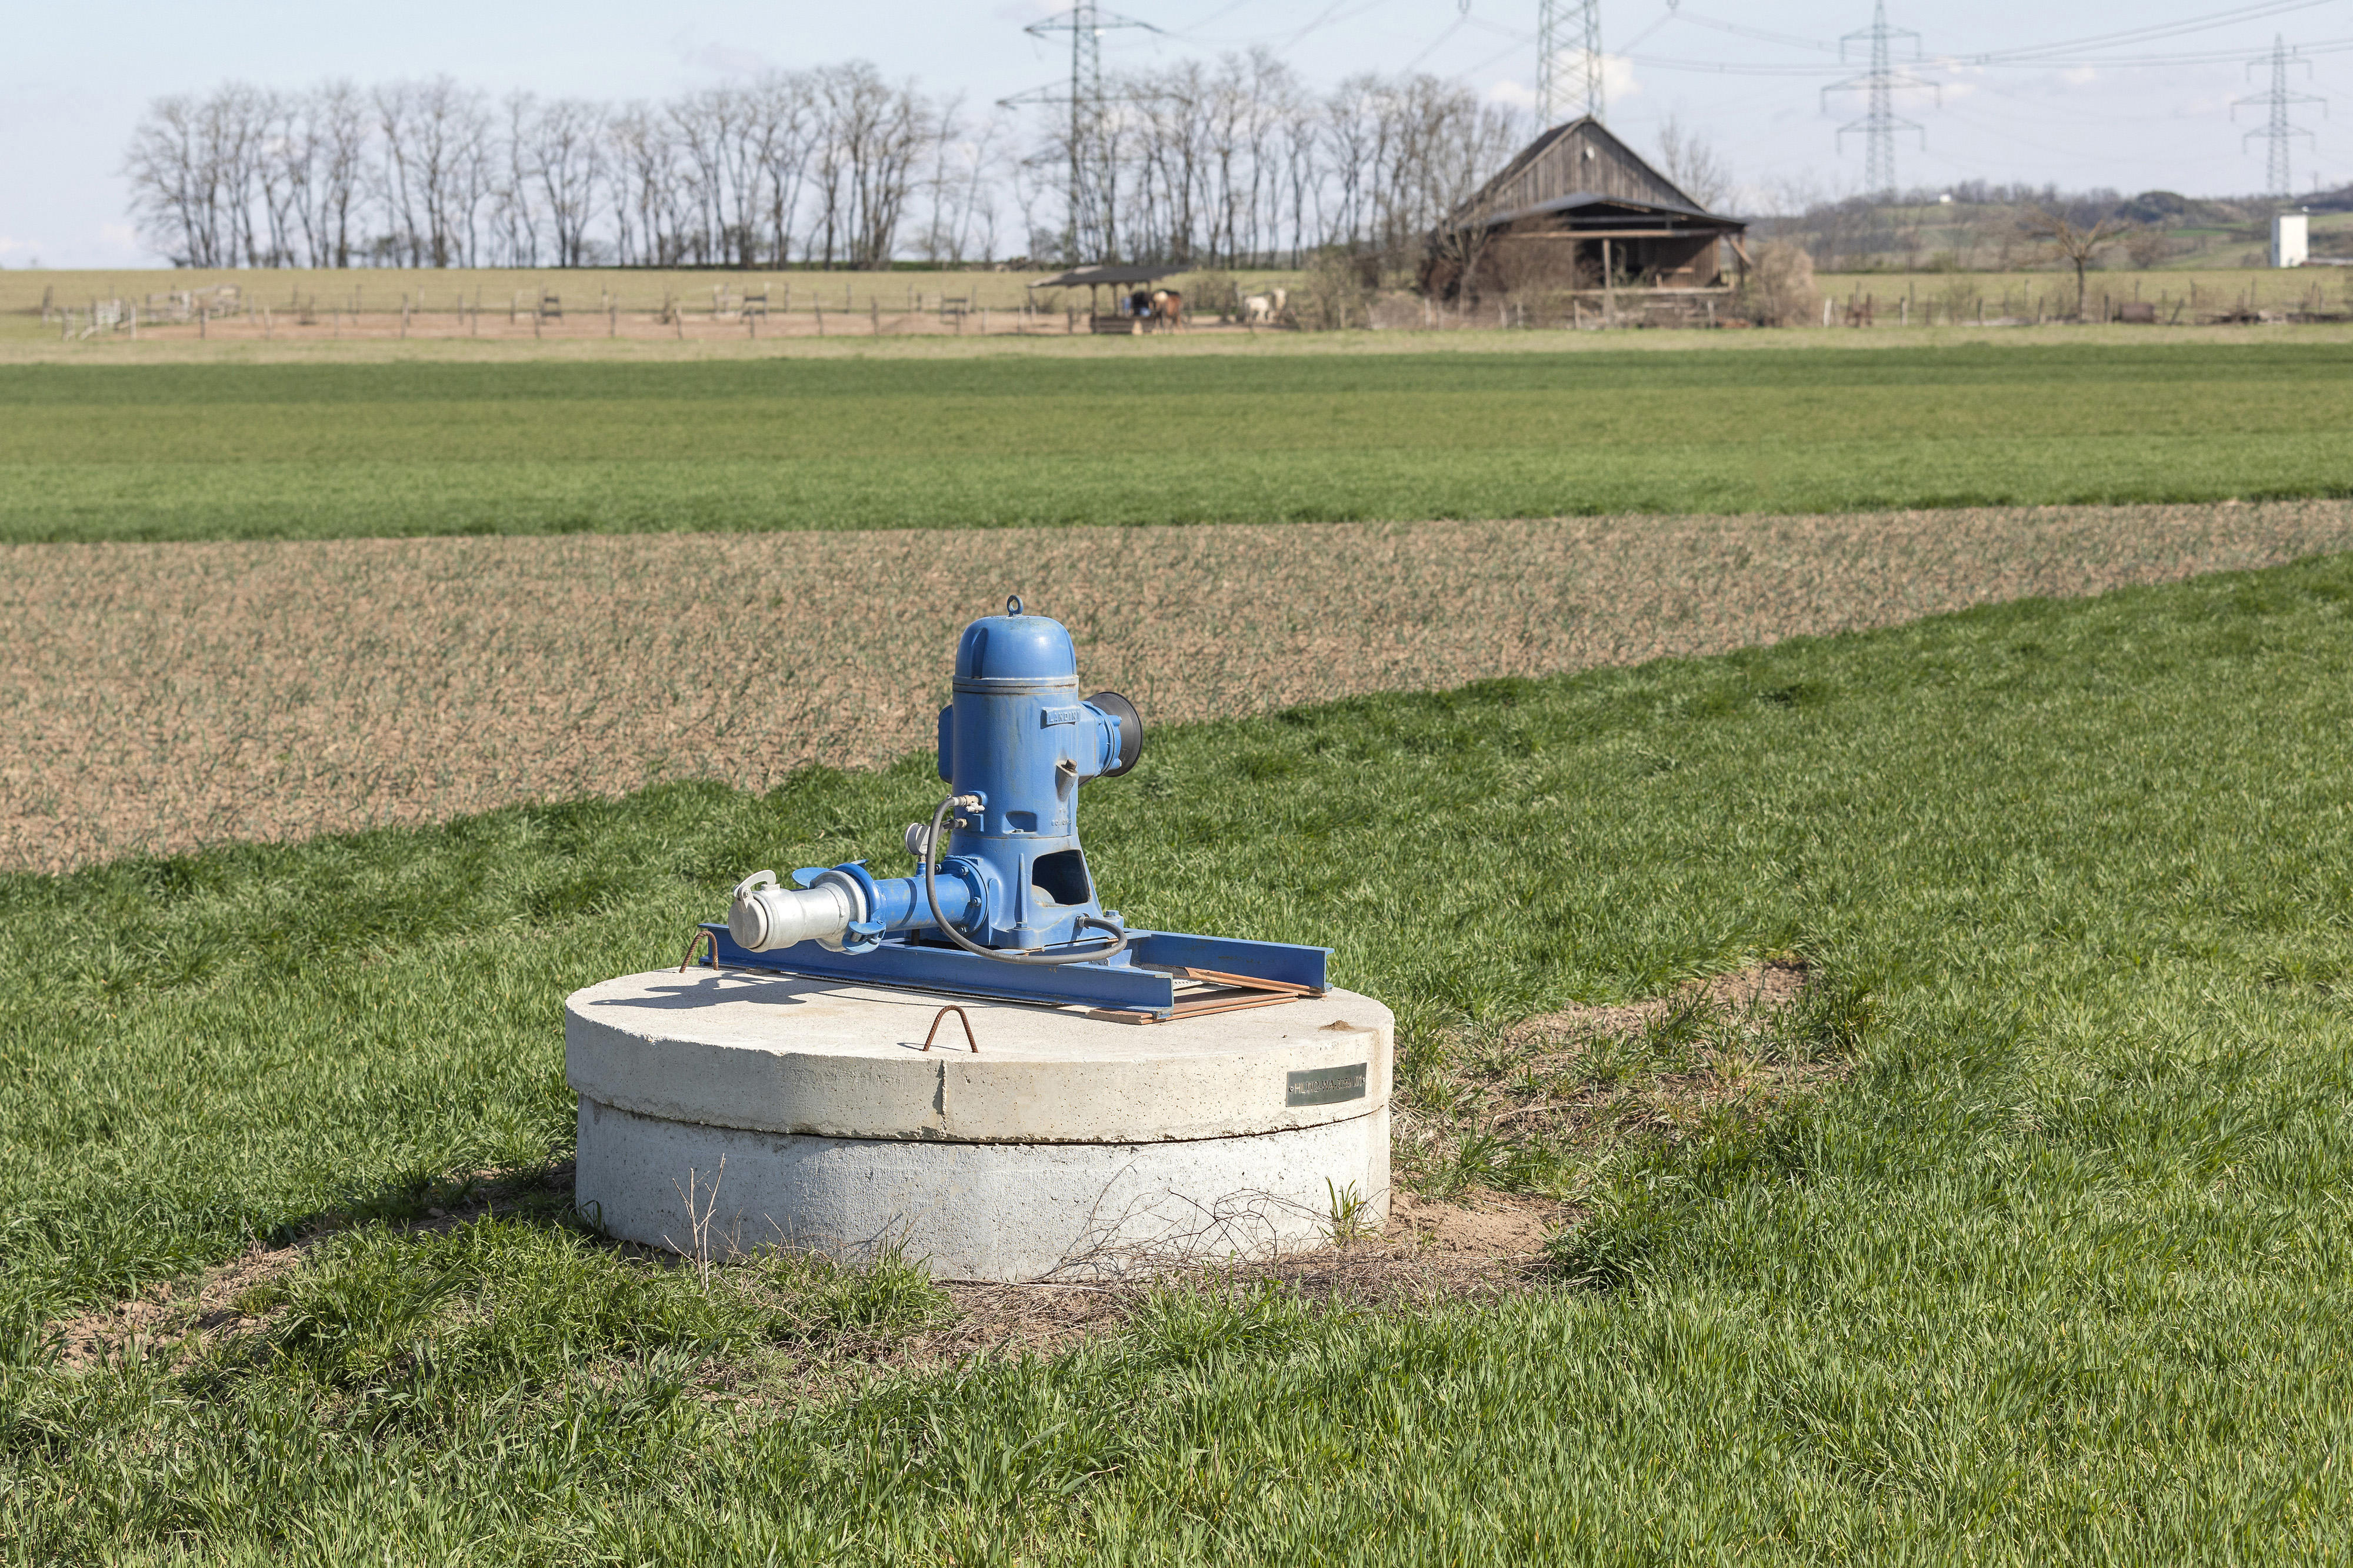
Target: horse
1261,309
1167,311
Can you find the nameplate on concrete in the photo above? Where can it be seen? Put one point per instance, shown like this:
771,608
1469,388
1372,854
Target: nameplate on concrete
1324,1086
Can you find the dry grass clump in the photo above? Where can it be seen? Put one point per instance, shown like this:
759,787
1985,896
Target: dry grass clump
160,697
1542,1105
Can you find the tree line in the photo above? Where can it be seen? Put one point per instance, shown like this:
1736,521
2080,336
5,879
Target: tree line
1229,162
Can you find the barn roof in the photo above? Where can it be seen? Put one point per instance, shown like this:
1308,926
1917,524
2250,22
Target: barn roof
1080,277
1580,173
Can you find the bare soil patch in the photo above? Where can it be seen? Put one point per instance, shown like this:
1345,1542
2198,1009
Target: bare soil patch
186,1314
157,698
1479,1245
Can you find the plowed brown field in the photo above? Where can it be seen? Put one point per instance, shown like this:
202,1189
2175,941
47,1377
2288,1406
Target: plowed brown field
158,696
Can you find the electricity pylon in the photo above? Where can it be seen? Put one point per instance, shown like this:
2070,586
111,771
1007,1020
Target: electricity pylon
1087,224
1561,93
2280,130
1880,122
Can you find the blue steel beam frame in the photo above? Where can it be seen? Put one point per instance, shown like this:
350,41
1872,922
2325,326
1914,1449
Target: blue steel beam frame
1141,985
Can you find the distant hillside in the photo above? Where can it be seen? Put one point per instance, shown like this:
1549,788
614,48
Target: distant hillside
1974,226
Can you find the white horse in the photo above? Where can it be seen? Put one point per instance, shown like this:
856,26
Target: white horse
1261,308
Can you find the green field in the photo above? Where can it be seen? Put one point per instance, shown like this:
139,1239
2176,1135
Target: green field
2056,1273
160,451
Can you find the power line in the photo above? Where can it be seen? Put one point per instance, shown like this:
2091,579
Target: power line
2060,54
1088,231
1558,90
2120,62
2034,54
2279,131
1879,84
2146,35
1756,34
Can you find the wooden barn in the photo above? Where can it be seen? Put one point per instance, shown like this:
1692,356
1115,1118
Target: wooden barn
1578,212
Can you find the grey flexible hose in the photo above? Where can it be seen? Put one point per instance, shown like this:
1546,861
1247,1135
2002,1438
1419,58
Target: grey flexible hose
932,891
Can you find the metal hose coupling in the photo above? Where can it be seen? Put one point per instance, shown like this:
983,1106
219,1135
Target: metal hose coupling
765,916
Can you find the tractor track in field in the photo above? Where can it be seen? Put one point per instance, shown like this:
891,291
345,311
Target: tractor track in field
160,697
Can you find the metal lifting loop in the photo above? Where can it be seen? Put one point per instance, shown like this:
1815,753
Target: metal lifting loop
1012,604
962,1017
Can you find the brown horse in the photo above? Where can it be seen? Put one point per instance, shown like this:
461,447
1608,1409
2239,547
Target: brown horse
1167,311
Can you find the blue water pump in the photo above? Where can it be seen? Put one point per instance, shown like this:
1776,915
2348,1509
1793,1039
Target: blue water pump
1010,910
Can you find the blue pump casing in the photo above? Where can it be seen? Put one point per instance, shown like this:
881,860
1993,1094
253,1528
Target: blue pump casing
1017,735
1012,878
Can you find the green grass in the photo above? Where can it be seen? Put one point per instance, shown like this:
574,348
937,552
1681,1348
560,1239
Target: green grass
2057,1273
339,450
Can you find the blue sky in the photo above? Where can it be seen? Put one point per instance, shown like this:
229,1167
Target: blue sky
78,77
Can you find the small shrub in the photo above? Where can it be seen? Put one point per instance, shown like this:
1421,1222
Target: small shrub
1779,288
1337,292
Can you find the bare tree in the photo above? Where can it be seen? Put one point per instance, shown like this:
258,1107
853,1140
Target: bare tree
1692,165
643,187
786,116
434,169
872,144
339,121
960,192
2069,239
167,166
566,165
282,174
197,168
515,215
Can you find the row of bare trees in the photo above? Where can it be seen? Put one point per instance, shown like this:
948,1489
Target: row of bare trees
1226,163
825,165
1237,161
